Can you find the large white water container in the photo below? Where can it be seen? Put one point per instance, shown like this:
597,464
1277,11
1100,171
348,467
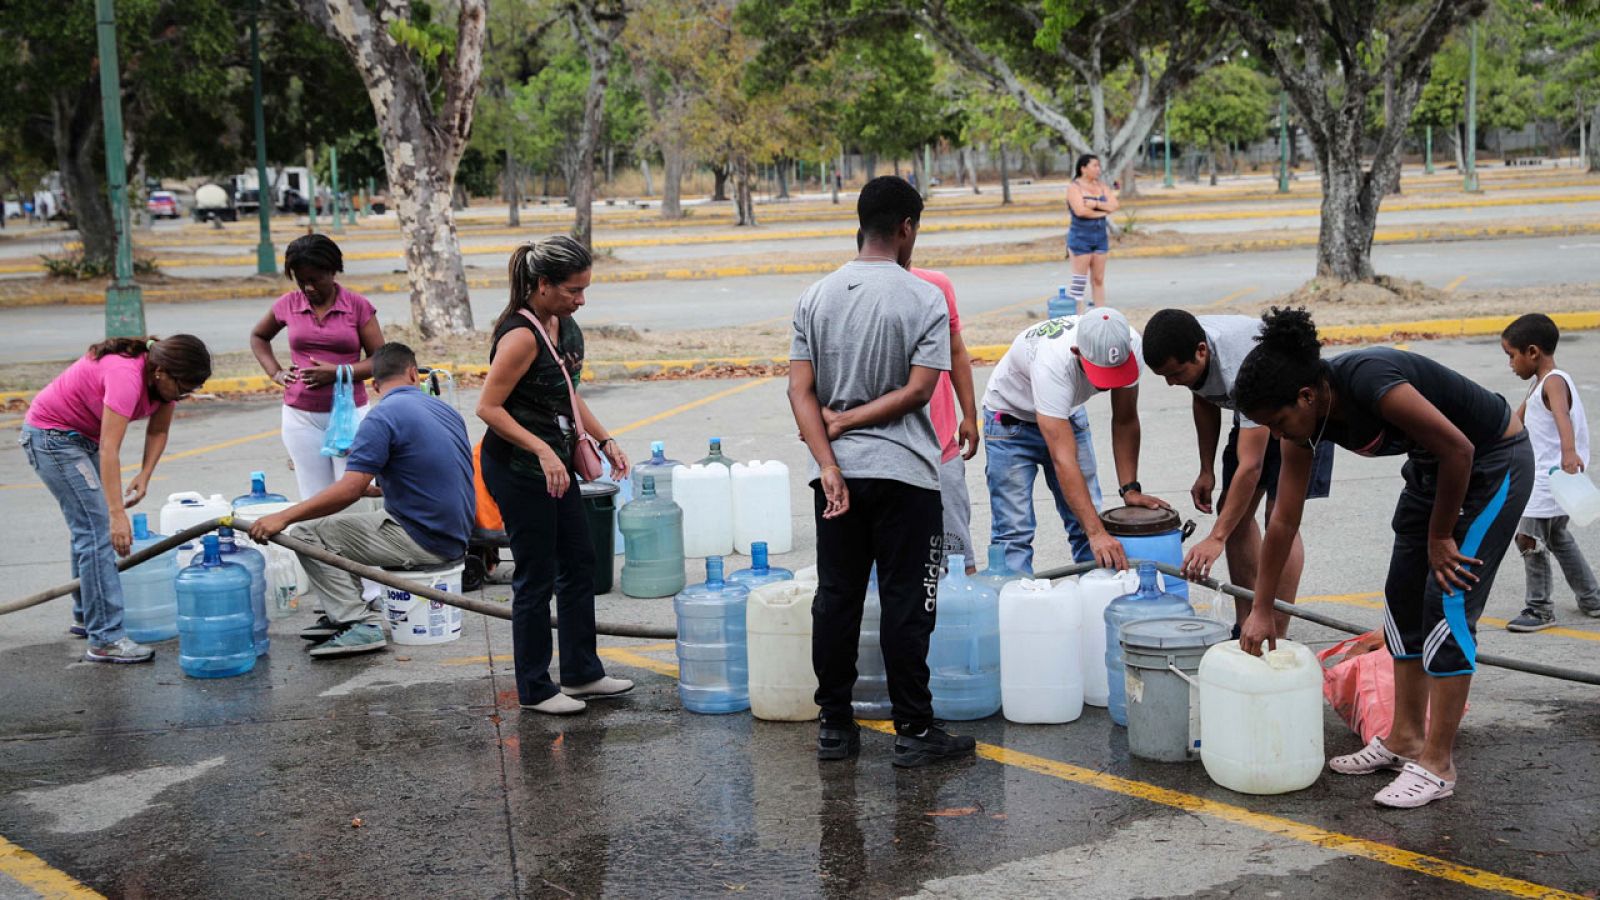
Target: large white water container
1576,494
1096,590
1261,718
705,494
1041,675
783,685
187,509
761,506
286,578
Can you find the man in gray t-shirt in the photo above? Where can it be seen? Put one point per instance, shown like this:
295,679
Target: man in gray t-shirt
869,343
1203,354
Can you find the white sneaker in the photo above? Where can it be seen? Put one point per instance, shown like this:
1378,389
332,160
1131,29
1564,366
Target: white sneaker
559,705
605,686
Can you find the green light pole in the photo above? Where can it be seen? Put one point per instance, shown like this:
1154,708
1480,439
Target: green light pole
266,261
311,189
1283,142
333,181
1166,149
124,300
1470,179
367,201
1427,159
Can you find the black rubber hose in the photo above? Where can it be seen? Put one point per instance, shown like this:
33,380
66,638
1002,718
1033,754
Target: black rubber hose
131,560
1488,659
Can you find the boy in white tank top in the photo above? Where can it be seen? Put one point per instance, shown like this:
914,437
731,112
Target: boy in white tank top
1553,415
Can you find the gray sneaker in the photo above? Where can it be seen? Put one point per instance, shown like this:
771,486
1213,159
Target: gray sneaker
354,639
1531,620
122,650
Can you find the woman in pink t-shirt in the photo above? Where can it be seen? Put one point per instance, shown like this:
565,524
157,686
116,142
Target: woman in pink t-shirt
328,326
72,436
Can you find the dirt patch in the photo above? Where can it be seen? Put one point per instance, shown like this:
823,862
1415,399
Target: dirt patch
1383,293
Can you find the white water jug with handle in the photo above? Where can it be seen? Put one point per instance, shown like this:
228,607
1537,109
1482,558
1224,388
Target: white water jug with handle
1261,718
1577,496
783,684
1041,676
1096,590
761,506
187,509
705,495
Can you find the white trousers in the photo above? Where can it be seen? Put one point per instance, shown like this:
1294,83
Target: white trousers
303,433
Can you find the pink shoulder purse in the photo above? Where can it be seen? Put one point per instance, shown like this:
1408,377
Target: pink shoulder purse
586,458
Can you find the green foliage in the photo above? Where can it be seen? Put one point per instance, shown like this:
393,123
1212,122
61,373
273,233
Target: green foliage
75,265
1228,104
892,108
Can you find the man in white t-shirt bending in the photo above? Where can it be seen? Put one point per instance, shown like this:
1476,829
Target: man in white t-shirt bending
1033,417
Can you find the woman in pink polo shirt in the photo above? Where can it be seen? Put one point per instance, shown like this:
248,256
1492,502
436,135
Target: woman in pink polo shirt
72,436
328,326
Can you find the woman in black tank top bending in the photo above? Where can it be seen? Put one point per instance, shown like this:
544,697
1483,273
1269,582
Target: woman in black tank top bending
527,467
1468,473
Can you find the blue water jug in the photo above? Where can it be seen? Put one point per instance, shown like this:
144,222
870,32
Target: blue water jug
258,493
659,467
1148,602
1155,534
713,669
150,590
652,544
715,455
964,652
870,699
1061,304
999,573
215,622
759,572
253,561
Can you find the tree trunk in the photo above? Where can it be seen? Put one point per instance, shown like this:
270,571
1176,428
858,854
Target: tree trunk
1349,209
837,180
1130,180
672,180
649,184
611,163
513,192
1594,138
719,182
871,163
422,145
743,194
783,179
1005,179
1457,141
972,168
75,126
1211,164
920,173
597,48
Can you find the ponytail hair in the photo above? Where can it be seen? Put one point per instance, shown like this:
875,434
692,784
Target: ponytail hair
183,356
1287,358
552,260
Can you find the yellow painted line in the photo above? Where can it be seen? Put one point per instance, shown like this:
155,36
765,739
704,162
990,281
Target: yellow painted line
693,404
1371,601
1454,283
1478,326
39,876
1432,866
211,448
1423,864
1229,298
481,660
7,423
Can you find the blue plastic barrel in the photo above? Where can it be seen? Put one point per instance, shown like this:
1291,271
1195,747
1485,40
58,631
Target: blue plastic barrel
870,698
760,572
150,590
713,665
1061,304
964,650
258,493
1148,602
1153,534
215,622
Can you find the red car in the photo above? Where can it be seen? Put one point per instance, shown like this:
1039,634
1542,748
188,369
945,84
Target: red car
163,205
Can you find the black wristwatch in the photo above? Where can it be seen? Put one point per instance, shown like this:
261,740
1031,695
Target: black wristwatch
1132,486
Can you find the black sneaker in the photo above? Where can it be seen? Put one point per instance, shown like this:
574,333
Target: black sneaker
838,741
1531,620
321,630
933,745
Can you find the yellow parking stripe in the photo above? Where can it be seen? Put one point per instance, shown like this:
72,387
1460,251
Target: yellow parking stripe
37,875
1433,866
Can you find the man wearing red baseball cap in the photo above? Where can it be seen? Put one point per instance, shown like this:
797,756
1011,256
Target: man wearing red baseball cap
1033,416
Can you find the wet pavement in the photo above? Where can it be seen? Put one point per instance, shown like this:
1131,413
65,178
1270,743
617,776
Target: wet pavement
413,773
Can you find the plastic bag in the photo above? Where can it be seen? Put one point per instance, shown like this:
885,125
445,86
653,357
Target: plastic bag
1358,682
342,420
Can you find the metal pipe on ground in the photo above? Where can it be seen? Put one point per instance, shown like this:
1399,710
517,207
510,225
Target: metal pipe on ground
1488,659
615,629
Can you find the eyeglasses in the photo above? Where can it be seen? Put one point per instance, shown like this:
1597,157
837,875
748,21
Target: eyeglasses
183,390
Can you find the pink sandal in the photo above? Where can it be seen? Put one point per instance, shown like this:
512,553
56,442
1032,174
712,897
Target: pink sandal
1415,787
1374,757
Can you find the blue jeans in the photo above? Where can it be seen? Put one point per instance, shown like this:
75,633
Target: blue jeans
69,465
1014,454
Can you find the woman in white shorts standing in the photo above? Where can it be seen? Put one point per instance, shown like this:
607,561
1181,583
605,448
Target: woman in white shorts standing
328,326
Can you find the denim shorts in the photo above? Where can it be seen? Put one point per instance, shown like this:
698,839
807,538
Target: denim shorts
1083,243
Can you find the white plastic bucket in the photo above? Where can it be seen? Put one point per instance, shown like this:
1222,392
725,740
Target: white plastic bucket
418,620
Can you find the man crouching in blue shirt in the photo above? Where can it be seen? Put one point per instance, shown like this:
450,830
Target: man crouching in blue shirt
416,446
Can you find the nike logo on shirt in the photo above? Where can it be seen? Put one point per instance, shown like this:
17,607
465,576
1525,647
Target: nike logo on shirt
851,287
